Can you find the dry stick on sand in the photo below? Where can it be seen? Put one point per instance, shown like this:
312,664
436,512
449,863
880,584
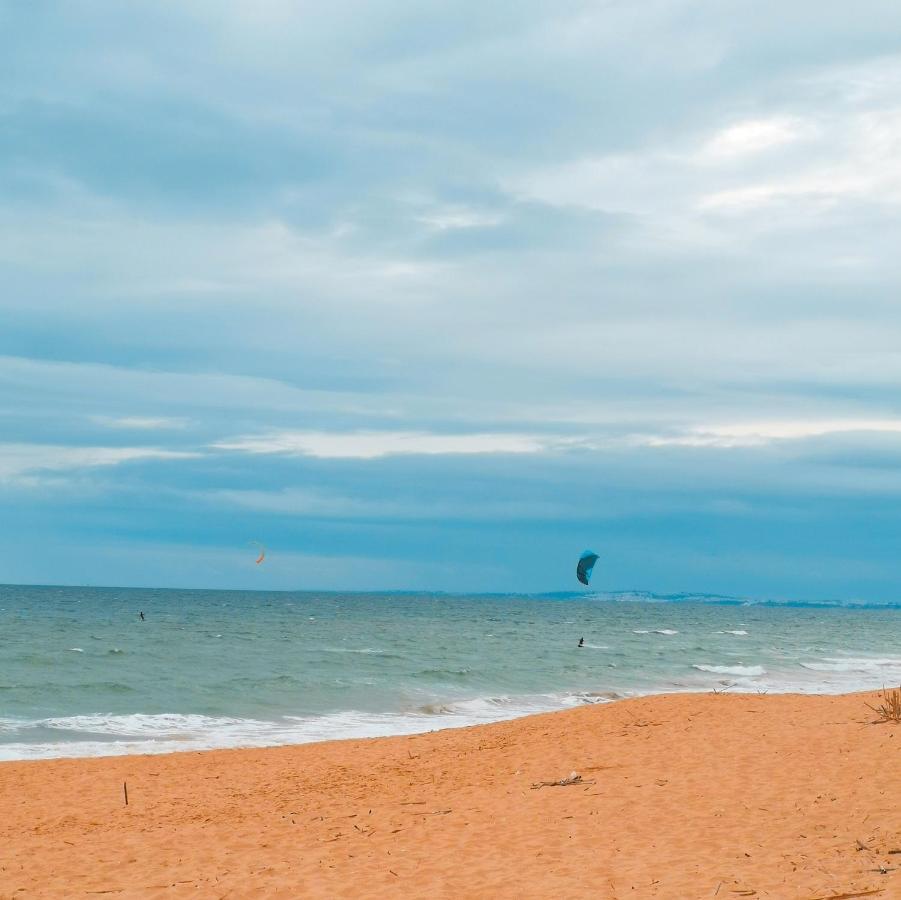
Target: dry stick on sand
850,896
563,782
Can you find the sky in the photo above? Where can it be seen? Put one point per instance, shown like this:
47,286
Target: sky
434,296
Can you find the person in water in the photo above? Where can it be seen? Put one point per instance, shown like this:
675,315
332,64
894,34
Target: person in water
581,642
141,615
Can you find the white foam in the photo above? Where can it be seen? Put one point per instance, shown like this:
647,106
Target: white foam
736,631
139,724
861,665
167,733
665,631
75,650
740,671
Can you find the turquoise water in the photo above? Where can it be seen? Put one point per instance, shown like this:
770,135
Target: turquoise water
81,674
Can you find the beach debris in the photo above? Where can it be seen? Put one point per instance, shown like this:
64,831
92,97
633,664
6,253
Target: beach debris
861,845
125,788
890,709
851,896
585,566
574,778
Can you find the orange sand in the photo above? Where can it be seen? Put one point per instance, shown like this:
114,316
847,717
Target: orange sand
690,796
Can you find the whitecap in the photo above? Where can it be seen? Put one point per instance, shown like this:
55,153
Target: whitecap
665,631
75,650
863,665
746,671
735,631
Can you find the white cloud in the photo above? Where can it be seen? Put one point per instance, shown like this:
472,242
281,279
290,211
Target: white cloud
21,459
754,136
142,423
841,148
453,218
312,503
818,187
755,434
375,444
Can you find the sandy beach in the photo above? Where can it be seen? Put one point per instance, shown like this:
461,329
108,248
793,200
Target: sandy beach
679,796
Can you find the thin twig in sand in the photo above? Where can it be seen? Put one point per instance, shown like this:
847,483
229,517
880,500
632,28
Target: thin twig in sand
850,896
563,782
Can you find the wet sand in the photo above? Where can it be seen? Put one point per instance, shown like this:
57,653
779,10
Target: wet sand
681,797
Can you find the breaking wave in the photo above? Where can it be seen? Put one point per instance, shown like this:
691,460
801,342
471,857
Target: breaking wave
739,671
115,735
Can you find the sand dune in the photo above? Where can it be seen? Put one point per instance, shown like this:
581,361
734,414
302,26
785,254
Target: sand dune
689,796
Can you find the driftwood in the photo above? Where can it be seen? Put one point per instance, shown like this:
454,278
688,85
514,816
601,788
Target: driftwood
851,895
563,782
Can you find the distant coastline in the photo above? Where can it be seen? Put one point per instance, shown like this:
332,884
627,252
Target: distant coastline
613,596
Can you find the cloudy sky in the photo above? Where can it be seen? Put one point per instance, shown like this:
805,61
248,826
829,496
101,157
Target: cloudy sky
437,295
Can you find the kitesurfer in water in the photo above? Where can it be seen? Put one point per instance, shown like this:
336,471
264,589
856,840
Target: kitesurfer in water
581,642
141,614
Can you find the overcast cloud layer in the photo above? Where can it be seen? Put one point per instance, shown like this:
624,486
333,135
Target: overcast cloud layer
437,295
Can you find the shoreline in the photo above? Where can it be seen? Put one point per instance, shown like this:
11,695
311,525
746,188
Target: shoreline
376,725
679,796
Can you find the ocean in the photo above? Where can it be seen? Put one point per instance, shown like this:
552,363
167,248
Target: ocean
82,675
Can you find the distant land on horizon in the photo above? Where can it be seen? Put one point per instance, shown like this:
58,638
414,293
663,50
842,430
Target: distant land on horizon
620,596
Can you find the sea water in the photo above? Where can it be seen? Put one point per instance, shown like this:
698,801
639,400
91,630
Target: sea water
81,674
